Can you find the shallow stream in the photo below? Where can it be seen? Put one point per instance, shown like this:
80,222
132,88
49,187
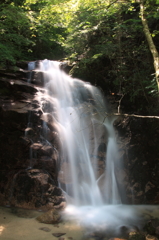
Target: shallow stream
20,224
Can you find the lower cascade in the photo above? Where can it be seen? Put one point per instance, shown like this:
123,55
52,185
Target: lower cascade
88,166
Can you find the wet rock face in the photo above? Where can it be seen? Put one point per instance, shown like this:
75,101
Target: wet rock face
28,172
139,140
33,188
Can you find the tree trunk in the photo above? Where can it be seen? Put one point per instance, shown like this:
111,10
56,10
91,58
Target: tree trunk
151,44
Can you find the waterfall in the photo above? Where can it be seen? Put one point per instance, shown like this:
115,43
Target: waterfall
89,161
80,116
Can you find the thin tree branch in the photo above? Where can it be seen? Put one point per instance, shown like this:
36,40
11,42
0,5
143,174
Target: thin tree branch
131,115
120,103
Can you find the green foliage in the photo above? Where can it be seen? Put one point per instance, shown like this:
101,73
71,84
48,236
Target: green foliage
26,32
6,54
48,31
108,45
104,39
14,33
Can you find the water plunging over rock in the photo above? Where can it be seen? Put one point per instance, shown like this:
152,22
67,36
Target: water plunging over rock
89,165
89,159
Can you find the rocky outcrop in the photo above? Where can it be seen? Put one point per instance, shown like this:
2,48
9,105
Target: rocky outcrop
138,140
28,173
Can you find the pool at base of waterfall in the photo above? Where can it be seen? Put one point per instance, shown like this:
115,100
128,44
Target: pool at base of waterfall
20,224
79,223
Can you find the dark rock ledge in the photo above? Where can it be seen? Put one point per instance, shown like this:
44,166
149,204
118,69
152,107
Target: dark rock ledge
28,165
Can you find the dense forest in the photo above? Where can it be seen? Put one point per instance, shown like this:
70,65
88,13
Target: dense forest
113,44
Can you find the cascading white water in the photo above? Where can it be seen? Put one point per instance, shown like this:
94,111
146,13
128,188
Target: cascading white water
80,114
